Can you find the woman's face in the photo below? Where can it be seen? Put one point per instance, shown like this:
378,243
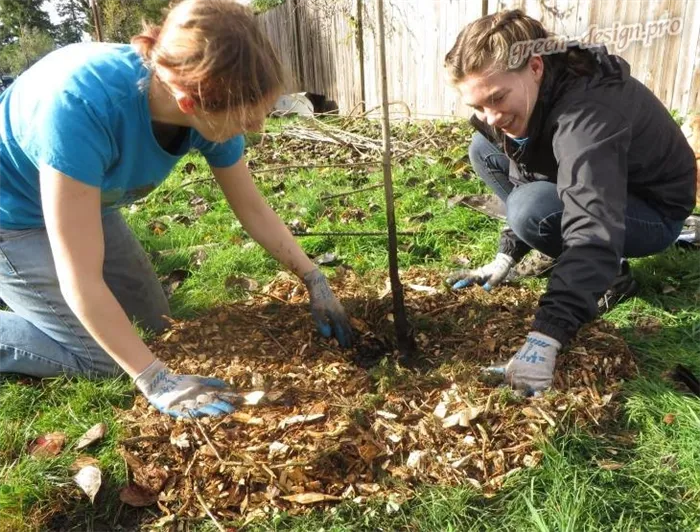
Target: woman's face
504,100
222,126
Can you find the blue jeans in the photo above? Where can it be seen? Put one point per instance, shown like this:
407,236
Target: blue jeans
534,210
42,337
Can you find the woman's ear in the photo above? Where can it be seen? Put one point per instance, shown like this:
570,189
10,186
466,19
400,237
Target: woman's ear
536,66
185,103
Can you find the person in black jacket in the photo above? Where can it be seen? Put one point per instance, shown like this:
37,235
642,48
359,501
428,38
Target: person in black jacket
591,166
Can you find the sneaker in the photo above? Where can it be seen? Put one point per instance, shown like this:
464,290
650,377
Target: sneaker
623,288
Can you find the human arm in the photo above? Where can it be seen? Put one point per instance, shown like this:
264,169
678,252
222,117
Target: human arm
591,147
74,226
263,225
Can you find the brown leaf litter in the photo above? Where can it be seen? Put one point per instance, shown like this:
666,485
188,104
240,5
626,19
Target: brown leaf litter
318,424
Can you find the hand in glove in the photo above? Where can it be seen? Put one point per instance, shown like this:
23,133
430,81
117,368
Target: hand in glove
185,395
532,368
326,310
488,276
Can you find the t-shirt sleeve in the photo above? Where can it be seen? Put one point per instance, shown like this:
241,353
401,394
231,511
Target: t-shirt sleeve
220,155
72,138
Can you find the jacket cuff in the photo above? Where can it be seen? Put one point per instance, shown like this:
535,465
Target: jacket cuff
561,334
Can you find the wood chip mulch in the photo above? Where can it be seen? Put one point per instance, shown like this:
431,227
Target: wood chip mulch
318,424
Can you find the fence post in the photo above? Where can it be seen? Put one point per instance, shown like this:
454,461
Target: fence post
360,44
297,41
96,17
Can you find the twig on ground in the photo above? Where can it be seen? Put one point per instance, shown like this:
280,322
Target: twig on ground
357,191
139,439
201,429
206,508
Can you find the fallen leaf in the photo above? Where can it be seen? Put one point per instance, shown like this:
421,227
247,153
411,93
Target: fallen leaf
609,465
157,227
89,478
48,445
669,418
310,498
326,258
247,419
138,497
83,461
246,283
426,289
386,415
95,433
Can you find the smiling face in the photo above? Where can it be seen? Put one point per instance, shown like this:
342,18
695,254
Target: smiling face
504,100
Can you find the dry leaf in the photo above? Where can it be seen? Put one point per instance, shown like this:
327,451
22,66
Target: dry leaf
310,498
609,465
135,496
669,418
47,445
95,433
89,478
83,461
386,415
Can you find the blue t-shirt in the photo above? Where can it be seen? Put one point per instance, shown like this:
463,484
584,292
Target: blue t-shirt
83,110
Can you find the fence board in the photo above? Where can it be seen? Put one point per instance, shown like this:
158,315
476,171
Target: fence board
420,32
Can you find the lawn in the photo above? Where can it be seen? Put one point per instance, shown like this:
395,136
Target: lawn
206,261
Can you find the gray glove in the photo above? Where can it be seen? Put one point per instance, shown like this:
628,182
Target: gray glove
326,310
488,276
185,395
532,368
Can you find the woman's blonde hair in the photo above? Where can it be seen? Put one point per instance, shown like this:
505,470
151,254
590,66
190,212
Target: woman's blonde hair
487,43
499,43
214,52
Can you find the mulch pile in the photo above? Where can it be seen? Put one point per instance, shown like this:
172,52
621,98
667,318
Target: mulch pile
318,424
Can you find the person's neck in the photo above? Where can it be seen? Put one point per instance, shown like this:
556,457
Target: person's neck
163,106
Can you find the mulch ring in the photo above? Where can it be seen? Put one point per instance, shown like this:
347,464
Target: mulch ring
318,424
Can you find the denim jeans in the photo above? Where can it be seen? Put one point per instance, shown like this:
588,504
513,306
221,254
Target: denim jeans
534,210
42,337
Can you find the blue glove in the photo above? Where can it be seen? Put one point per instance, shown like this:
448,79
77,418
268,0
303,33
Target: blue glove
326,310
185,395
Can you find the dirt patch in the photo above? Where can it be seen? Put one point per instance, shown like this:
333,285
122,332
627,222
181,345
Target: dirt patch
333,424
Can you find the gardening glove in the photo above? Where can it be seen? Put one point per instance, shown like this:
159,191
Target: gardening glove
326,310
185,395
531,370
488,276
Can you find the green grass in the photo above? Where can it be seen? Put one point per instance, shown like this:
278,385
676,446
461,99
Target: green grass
657,489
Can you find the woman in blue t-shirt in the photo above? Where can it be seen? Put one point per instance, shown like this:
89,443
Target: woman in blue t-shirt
94,126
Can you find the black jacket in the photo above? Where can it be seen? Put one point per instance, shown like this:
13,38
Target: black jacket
599,137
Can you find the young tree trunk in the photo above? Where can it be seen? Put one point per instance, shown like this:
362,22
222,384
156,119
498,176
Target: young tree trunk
404,340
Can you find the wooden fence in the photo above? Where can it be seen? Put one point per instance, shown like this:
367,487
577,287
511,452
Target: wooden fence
329,46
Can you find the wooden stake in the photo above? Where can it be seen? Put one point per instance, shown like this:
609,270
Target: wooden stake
405,343
97,20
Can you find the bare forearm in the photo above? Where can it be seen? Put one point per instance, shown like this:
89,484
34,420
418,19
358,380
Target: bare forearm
101,314
270,232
